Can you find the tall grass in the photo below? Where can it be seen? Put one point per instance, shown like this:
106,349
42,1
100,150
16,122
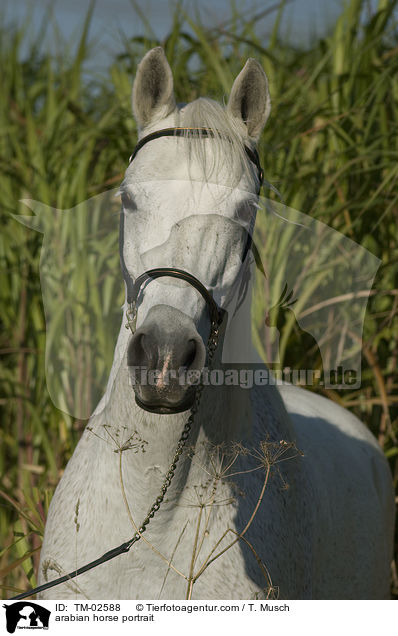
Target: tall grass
330,147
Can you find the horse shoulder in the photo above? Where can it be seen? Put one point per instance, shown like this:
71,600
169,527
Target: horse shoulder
346,470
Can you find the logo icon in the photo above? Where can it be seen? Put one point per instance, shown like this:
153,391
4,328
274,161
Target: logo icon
26,615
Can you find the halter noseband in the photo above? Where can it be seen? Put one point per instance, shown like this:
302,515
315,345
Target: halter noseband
134,288
216,314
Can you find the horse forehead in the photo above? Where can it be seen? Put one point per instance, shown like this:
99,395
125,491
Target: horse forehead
171,158
158,197
183,211
197,235
163,158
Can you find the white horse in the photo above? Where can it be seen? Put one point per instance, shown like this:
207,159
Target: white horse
278,492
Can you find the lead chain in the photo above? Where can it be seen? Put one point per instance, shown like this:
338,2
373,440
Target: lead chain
125,547
211,345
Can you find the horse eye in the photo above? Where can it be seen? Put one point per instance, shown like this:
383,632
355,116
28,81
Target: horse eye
245,211
127,201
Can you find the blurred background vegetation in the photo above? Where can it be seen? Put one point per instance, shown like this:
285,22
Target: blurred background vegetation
330,147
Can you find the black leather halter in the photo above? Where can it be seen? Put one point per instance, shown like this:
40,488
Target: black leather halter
134,288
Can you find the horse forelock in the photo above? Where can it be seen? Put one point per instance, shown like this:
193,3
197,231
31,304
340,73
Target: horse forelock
228,144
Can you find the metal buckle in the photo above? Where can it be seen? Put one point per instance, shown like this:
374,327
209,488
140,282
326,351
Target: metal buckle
131,315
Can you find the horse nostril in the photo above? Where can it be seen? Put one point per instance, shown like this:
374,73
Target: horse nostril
190,355
137,354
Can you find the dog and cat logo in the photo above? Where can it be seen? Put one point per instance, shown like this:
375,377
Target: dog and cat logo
26,615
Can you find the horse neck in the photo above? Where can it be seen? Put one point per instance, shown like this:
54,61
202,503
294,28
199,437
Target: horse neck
224,416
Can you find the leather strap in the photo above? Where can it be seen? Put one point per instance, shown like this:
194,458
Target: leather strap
198,132
216,314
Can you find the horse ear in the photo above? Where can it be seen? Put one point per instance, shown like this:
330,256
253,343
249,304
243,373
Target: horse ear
153,90
250,101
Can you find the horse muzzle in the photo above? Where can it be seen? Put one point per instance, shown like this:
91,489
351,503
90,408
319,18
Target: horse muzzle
165,358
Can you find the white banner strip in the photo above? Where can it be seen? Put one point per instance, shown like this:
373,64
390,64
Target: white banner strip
237,617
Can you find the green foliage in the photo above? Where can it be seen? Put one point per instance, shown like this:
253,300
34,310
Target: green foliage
330,147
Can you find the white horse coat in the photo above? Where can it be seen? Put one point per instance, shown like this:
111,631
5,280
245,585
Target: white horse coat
321,528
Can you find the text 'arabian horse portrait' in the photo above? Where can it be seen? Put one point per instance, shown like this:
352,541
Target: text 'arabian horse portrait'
210,489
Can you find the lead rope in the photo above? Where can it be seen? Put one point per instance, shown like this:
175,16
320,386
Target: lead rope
125,547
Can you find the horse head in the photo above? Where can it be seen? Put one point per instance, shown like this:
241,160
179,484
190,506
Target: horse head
189,202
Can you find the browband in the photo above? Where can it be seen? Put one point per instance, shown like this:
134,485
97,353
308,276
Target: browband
198,132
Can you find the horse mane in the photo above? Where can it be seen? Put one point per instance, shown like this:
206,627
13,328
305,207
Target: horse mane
229,143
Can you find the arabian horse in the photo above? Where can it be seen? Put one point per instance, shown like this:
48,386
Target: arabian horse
216,491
